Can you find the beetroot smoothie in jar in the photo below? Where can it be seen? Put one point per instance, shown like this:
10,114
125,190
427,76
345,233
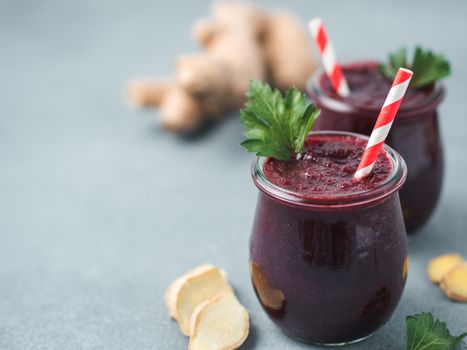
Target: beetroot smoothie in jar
415,133
328,254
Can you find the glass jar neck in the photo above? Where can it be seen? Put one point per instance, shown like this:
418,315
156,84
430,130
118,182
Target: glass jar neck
336,200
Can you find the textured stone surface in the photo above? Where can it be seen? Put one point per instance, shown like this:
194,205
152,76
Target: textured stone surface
100,209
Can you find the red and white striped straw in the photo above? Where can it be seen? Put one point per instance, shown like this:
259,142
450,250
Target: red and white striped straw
384,122
328,57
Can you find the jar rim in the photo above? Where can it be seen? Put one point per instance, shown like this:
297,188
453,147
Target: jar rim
294,198
317,93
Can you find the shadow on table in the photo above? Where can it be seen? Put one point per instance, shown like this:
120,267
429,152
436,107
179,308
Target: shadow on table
252,339
203,132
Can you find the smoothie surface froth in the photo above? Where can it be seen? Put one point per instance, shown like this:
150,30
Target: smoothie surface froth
327,168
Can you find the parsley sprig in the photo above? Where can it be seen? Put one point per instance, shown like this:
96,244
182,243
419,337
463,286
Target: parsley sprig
276,126
427,66
426,333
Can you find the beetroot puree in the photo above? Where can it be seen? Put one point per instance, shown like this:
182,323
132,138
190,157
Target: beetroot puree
328,260
369,88
327,168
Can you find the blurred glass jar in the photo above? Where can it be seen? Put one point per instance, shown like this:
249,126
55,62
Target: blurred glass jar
415,133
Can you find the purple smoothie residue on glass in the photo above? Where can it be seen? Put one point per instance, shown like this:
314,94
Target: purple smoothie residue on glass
327,168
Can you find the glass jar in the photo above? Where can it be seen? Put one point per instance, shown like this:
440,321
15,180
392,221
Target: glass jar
329,270
415,135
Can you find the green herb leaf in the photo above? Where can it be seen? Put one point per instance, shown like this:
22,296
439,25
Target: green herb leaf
276,126
426,333
427,66
396,60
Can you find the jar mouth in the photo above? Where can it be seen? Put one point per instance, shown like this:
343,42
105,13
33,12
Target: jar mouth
393,182
336,103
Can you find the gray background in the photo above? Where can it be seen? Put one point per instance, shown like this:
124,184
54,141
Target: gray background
100,209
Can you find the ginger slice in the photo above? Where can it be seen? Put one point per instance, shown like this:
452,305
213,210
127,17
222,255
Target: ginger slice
270,297
196,289
220,323
170,297
441,265
454,283
196,311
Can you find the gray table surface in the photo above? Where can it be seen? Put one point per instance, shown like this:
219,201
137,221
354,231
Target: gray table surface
100,209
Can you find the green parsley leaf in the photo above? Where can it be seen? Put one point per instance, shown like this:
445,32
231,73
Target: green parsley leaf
426,333
396,60
427,66
276,126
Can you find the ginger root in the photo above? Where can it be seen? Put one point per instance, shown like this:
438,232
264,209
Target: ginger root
206,309
450,271
172,292
288,52
147,93
198,286
439,266
454,283
240,43
220,323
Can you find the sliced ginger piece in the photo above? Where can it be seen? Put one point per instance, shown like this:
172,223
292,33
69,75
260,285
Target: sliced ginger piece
454,283
172,292
220,323
441,265
196,289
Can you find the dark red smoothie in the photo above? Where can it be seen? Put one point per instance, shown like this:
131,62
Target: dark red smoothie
327,167
327,253
415,132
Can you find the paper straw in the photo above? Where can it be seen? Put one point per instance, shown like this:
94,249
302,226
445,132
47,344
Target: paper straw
328,57
384,122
